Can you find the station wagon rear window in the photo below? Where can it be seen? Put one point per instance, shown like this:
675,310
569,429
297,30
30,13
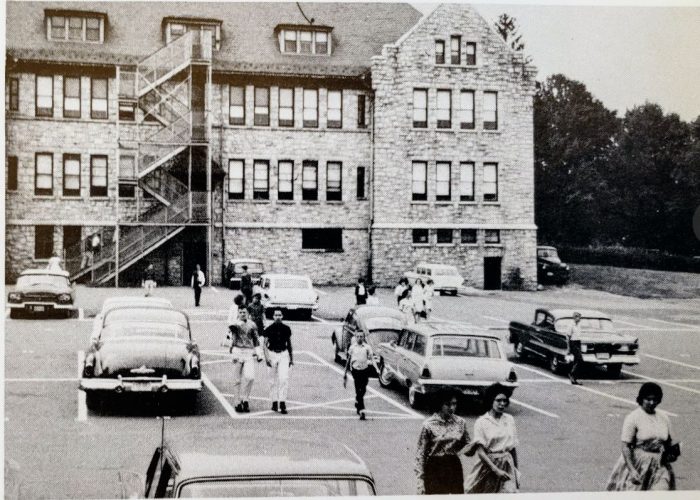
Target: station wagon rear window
147,315
274,487
460,345
42,279
291,283
587,324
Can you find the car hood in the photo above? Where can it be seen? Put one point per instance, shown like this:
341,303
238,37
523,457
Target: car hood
120,356
468,368
44,288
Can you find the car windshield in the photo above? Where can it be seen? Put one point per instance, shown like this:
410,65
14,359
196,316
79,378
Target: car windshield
253,267
384,323
275,487
291,283
564,325
463,345
447,271
379,336
146,315
549,254
137,329
35,280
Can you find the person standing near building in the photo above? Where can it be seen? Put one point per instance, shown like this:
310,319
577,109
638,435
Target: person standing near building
574,340
246,285
360,356
244,341
428,294
197,282
257,312
279,357
360,292
149,280
372,299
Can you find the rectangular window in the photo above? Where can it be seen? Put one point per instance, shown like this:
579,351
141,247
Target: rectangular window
466,109
490,182
444,108
439,52
468,236
361,111
456,50
75,28
58,28
92,32
361,183
290,41
310,108
236,108
335,109
466,181
444,236
176,31
44,95
236,179
43,174
285,180
43,242
98,176
72,236
334,181
420,108
261,180
305,41
127,111
12,167
421,237
327,239
492,236
321,42
127,177
71,97
14,94
471,53
443,190
286,111
71,175
490,111
98,101
420,181
309,180
261,114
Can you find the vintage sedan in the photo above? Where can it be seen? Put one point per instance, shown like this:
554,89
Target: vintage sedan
141,349
42,291
291,292
125,301
547,337
251,467
431,356
379,324
550,268
446,279
234,269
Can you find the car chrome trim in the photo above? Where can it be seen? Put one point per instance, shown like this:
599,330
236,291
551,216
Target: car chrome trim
480,383
626,359
128,385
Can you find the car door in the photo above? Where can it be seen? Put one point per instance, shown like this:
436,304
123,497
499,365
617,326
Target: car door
403,351
551,340
537,337
414,358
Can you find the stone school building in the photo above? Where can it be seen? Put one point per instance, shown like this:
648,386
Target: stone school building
336,140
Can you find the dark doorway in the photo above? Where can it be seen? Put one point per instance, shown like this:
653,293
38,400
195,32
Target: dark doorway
71,239
492,273
194,251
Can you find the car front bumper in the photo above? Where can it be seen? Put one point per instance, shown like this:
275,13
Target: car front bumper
466,387
36,306
146,384
615,359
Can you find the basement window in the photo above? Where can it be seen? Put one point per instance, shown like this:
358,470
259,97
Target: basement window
326,239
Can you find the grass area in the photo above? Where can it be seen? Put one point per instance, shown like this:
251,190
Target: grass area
641,283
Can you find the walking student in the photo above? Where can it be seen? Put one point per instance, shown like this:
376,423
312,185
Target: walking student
257,312
360,356
574,340
246,285
372,299
197,282
406,307
400,289
233,316
360,292
279,357
428,294
149,280
417,292
244,341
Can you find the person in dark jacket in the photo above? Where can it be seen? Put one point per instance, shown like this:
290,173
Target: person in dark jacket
257,312
360,292
246,285
197,282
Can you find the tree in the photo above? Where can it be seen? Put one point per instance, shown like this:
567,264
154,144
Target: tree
508,28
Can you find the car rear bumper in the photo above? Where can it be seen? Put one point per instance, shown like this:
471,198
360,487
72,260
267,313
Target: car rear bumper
466,387
290,306
615,359
32,306
140,385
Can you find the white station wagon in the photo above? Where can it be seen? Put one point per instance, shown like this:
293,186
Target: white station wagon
446,278
291,292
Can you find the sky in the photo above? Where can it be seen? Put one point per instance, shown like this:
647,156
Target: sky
626,54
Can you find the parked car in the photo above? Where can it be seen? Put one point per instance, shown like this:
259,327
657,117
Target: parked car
550,268
379,324
547,338
290,292
141,349
42,291
125,301
234,269
237,469
433,355
446,278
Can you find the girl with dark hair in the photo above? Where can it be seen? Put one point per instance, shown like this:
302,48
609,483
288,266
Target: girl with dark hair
645,434
495,440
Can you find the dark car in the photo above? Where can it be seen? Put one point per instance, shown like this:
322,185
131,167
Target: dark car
234,269
41,291
245,467
141,349
379,324
550,268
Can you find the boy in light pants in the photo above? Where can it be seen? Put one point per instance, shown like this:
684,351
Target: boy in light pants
278,355
244,341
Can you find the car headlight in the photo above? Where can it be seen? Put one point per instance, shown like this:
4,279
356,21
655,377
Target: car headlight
566,266
625,348
64,298
584,348
14,297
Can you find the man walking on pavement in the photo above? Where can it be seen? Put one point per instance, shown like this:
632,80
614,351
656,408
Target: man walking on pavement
244,341
257,313
279,357
574,340
198,280
360,356
149,280
247,285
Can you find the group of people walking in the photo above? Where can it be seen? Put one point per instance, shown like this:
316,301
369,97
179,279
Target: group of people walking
415,302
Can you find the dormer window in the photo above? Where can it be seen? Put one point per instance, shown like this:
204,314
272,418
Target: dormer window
75,26
309,40
176,27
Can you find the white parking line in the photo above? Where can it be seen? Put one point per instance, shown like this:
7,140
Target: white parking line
319,319
635,325
691,327
81,313
42,380
217,394
662,382
501,320
616,398
533,408
538,372
333,417
665,330
82,397
680,363
214,288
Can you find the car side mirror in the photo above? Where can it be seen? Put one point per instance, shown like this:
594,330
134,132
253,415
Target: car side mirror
131,484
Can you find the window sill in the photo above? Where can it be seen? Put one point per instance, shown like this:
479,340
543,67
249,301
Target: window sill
311,202
420,202
492,203
44,197
494,245
334,202
445,244
320,250
75,198
468,203
421,245
470,245
444,203
100,198
260,202
362,199
286,202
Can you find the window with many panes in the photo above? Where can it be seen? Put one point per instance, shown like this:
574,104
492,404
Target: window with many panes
127,176
43,242
335,109
309,180
75,28
211,30
285,180
261,112
456,50
490,182
236,107
98,100
290,41
286,107
419,188
71,175
444,236
492,236
468,236
421,237
361,183
444,109
12,172
43,174
236,179
261,180
304,41
44,95
321,39
466,109
71,97
361,111
98,175
443,191
490,110
310,111
326,239
466,181
14,94
439,52
471,53
420,108
334,181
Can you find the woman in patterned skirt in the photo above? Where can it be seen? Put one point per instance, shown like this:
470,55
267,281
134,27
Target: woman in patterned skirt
645,432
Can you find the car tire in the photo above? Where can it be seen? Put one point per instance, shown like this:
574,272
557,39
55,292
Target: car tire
337,357
614,370
415,399
453,293
519,349
555,365
93,400
306,314
384,377
15,313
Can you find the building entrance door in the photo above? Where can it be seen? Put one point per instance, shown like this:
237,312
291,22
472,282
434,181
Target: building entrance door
492,273
194,252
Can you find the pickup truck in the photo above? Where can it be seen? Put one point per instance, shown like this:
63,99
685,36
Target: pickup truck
547,337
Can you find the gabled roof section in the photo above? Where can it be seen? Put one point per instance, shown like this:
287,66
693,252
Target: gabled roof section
248,41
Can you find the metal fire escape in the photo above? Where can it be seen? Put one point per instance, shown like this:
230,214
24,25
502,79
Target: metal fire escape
168,90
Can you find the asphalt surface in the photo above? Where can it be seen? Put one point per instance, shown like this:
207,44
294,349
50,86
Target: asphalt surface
569,435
